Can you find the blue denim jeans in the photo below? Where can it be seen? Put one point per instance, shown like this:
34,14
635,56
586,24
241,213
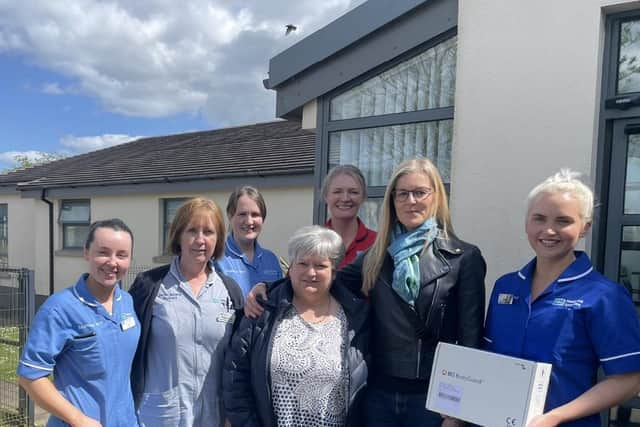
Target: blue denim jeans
389,409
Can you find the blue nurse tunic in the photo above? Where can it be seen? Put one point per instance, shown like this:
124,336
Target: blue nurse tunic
88,351
265,266
580,322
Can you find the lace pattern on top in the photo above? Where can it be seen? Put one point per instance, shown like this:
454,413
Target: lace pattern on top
308,376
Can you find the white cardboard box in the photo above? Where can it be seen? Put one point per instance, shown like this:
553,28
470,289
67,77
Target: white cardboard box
485,388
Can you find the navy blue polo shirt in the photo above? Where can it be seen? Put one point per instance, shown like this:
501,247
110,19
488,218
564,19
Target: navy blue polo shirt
88,351
580,322
264,267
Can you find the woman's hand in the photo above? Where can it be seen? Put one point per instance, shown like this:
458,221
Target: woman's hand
252,307
544,420
49,398
85,421
451,422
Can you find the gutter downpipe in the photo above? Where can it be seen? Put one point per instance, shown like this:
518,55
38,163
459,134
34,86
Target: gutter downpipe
50,203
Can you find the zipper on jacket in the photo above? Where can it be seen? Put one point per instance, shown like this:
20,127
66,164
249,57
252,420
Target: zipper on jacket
433,300
443,307
419,358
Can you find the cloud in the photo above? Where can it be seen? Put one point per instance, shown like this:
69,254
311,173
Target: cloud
52,89
82,144
72,145
10,156
156,58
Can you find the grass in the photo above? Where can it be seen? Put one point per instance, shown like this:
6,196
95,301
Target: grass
11,418
9,353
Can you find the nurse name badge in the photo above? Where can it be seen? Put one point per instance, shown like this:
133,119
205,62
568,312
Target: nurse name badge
128,323
505,299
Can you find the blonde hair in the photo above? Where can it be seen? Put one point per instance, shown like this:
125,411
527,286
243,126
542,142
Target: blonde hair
349,170
193,208
565,182
439,209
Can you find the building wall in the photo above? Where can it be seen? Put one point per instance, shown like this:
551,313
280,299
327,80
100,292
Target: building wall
287,210
527,104
28,218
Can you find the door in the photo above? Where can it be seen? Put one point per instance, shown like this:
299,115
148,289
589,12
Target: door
622,247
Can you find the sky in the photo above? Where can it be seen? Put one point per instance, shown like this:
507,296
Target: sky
80,75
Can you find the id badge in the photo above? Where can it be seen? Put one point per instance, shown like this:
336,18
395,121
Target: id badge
505,299
225,317
128,323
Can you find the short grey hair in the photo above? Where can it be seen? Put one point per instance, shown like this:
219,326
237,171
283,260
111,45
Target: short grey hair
566,182
314,240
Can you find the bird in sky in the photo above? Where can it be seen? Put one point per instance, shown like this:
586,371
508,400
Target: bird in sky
290,28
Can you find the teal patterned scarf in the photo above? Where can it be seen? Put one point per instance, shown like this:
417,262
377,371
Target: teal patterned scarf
405,248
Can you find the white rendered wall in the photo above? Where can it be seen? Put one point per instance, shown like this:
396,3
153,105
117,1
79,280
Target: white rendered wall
28,237
287,210
310,114
527,96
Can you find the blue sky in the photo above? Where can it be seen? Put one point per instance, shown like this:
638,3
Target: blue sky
79,75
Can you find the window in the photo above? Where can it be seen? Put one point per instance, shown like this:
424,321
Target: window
4,235
169,209
616,246
628,77
402,111
75,218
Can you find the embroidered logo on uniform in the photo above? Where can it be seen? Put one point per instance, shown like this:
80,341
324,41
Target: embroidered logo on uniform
91,325
567,303
505,299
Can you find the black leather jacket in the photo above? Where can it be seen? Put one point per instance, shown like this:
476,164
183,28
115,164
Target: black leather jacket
449,308
246,375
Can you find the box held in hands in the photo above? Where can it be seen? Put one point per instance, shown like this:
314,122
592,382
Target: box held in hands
486,388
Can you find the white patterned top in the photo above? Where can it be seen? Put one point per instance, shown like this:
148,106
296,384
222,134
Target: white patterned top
308,375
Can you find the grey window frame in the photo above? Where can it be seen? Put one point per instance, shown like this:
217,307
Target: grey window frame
165,226
325,126
64,224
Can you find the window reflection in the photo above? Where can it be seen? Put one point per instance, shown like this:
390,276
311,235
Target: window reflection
377,151
632,179
629,57
423,82
370,212
630,261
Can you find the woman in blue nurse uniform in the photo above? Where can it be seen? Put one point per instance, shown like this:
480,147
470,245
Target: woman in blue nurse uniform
558,309
244,260
86,336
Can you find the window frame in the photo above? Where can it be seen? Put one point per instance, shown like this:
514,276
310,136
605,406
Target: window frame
166,226
65,223
325,126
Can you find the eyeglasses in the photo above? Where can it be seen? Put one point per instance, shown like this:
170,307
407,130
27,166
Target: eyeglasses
418,194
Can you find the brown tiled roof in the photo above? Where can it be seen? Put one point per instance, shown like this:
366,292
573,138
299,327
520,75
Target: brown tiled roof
273,148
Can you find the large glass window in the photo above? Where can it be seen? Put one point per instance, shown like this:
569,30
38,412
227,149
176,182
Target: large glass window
423,82
402,111
629,57
632,178
629,274
75,218
377,151
4,235
169,209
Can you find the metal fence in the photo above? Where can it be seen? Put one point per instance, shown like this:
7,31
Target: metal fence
133,271
17,305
